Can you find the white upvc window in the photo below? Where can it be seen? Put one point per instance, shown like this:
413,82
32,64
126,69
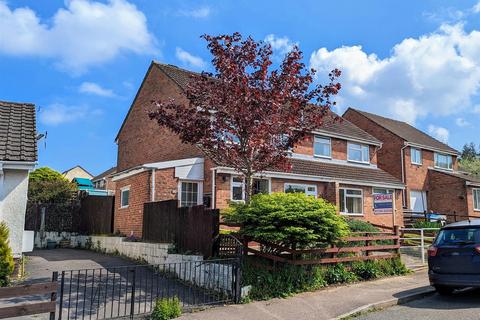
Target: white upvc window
351,201
358,152
237,187
308,189
124,197
476,199
190,193
416,156
382,191
443,161
322,147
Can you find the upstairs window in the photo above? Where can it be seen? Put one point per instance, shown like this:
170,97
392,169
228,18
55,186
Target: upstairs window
358,153
322,147
416,156
476,199
443,161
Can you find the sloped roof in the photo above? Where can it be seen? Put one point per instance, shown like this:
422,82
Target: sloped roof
406,132
105,173
461,175
362,174
77,166
18,141
340,126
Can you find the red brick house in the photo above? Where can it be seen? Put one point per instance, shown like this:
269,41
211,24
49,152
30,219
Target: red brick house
428,167
337,162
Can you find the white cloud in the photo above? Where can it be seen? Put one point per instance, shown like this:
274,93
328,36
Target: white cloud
84,34
461,122
439,133
280,45
201,12
189,59
437,74
96,89
476,8
57,114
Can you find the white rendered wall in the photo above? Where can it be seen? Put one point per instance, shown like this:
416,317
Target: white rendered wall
13,203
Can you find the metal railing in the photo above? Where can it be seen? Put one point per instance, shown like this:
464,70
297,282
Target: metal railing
420,238
127,291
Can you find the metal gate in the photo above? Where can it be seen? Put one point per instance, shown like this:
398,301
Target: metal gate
124,291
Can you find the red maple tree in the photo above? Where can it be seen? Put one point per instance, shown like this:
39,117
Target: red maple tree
248,115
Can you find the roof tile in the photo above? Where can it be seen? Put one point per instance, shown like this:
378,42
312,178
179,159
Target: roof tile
17,132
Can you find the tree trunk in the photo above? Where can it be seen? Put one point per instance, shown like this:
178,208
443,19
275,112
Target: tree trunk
248,187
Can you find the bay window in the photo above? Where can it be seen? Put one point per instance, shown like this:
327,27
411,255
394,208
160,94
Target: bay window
351,201
358,153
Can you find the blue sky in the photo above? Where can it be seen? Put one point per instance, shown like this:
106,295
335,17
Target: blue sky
81,61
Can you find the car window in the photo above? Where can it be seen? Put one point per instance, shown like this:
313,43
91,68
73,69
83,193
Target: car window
458,236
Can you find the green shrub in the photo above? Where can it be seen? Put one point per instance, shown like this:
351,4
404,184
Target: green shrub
427,224
282,282
47,185
166,309
6,257
339,273
286,280
356,225
290,219
367,270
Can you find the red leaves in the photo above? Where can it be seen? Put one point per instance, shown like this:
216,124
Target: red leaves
237,114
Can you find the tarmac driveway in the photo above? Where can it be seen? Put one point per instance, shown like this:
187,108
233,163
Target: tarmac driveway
42,263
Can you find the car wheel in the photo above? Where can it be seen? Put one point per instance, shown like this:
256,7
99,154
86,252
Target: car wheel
444,291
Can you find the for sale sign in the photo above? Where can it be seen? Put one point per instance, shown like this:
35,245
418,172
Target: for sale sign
382,203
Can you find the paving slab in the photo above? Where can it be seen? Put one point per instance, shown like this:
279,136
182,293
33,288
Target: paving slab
322,304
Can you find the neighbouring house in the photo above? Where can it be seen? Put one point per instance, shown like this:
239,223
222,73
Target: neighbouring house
337,162
86,186
18,155
103,181
428,167
76,172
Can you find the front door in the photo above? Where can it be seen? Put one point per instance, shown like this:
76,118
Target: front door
418,201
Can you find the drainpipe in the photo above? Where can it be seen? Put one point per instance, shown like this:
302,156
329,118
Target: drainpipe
152,189
404,198
214,171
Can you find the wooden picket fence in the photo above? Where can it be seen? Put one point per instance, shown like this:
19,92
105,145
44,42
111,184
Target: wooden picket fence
25,309
360,246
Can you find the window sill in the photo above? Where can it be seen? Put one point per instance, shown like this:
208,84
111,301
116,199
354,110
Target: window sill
352,214
124,207
417,164
359,162
322,157
440,168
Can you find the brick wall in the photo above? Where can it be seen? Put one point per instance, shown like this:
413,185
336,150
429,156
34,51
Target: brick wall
389,156
387,219
142,140
130,219
166,185
447,194
339,149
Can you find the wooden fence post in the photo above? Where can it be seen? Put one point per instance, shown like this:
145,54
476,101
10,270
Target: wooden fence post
396,231
53,295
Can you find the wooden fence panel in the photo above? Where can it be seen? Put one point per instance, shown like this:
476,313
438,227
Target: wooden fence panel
96,214
191,229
